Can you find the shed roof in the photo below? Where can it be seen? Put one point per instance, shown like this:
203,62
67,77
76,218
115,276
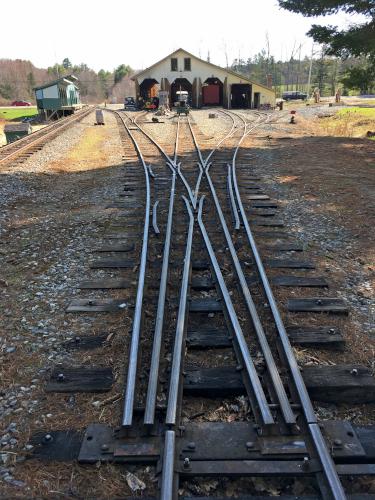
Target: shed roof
238,75
66,80
17,127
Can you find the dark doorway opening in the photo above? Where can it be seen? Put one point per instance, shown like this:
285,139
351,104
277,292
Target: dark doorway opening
256,100
241,95
181,84
212,92
149,88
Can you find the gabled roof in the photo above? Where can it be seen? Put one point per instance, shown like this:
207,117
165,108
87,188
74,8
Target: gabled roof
66,80
238,75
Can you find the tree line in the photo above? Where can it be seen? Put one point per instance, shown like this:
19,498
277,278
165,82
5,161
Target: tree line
19,77
306,73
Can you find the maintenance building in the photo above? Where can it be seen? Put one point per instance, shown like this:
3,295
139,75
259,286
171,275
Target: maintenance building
207,84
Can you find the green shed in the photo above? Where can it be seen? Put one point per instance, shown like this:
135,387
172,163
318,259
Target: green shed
59,97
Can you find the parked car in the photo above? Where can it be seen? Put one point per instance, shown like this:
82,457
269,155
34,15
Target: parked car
294,94
21,103
130,104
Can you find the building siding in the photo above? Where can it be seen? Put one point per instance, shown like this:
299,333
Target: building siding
48,103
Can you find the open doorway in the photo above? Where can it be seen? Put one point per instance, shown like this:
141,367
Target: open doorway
241,95
212,92
181,84
149,88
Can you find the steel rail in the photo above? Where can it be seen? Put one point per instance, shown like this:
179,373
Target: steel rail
246,356
271,365
149,416
155,217
203,162
187,186
232,200
129,393
167,478
169,160
318,440
328,465
261,336
230,133
297,378
173,162
42,135
193,199
150,171
262,339
176,144
175,375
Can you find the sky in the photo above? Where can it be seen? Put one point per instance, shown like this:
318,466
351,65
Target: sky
141,34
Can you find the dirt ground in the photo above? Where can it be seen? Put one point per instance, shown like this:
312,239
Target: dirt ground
53,212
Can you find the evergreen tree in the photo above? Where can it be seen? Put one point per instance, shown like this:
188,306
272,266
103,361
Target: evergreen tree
66,63
121,71
30,82
104,79
357,40
361,78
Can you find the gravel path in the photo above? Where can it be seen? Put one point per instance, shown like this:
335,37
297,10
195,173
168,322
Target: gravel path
48,219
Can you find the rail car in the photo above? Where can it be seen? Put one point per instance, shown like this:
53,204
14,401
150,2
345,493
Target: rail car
58,98
181,105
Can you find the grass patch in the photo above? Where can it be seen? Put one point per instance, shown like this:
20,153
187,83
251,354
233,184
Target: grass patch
349,122
358,111
17,113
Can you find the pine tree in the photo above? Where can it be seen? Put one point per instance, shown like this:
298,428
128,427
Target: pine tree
66,63
30,83
121,71
358,40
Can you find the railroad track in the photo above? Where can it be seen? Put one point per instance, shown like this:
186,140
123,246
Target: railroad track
20,150
207,328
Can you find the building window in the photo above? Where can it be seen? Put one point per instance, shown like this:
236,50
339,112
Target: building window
187,64
174,66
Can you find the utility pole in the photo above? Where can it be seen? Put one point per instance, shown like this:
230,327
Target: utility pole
310,69
225,53
299,67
